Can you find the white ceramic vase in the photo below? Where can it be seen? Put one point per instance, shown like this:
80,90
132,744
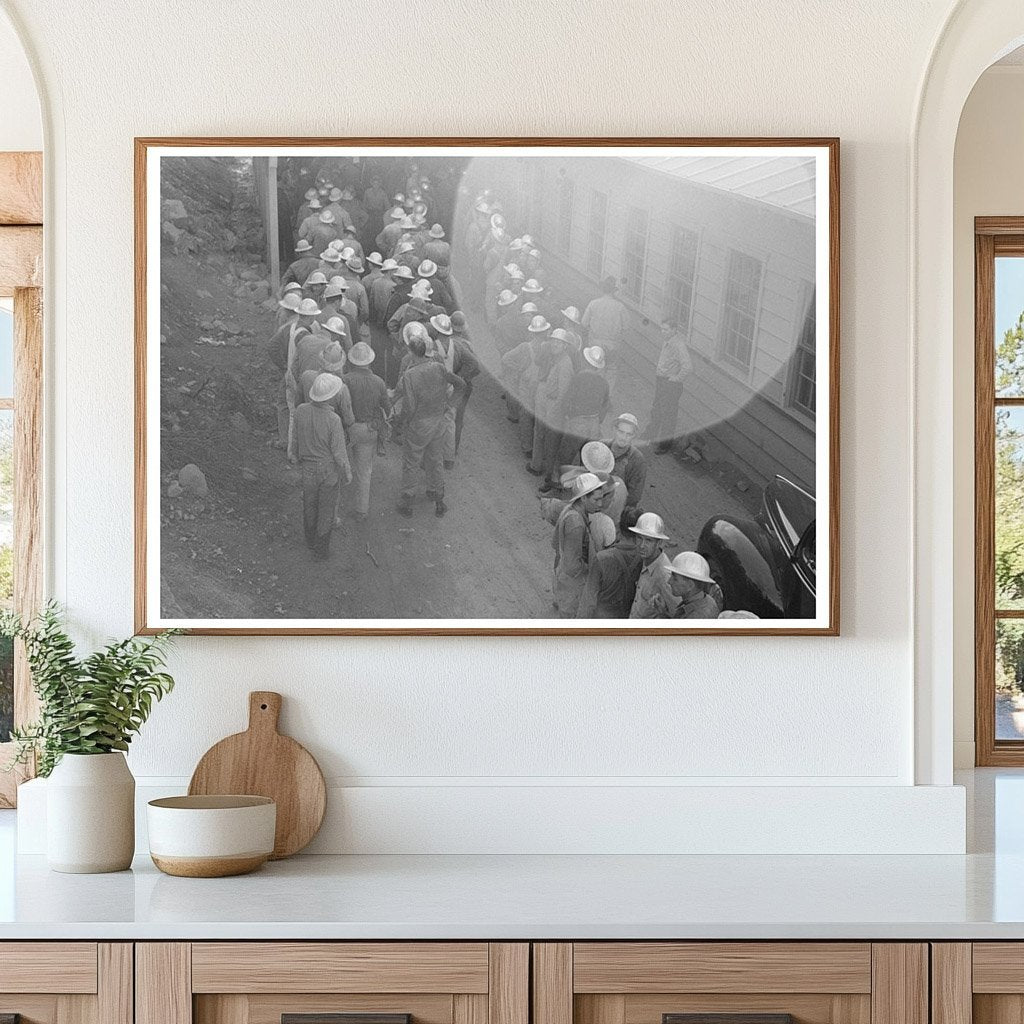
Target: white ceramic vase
90,814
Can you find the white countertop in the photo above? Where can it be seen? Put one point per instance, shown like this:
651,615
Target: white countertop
543,897
977,896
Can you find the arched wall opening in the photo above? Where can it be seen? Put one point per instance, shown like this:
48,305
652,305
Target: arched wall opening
977,33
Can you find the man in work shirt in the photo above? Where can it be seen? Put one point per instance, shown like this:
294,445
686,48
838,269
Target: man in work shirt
423,390
605,322
654,598
674,366
370,405
611,581
320,444
302,267
630,464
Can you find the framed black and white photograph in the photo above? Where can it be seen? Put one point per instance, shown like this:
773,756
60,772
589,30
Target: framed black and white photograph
504,386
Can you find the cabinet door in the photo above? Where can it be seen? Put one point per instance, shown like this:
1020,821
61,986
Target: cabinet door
730,983
981,982
332,983
66,982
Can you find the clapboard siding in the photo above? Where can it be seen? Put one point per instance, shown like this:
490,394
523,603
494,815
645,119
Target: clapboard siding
755,429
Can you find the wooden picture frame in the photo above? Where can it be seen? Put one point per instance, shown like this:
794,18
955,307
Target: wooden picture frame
823,424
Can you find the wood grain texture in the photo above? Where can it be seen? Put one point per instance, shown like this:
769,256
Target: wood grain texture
632,967
469,1008
268,1009
508,994
163,983
226,1009
343,1017
115,996
262,762
76,1009
899,990
65,967
21,188
304,967
998,967
604,1009
805,1008
31,1009
144,144
552,983
951,983
21,259
998,1009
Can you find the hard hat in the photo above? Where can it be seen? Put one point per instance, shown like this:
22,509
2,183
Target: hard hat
317,277
403,272
422,289
538,325
348,252
361,354
437,231
397,213
333,290
389,264
559,335
324,388
572,313
441,323
597,457
375,258
337,325
302,245
532,286
595,356
335,194
293,286
308,307
331,255
414,329
650,524
333,357
428,268
627,417
327,217
506,297
339,282
529,307
290,300
583,485
691,565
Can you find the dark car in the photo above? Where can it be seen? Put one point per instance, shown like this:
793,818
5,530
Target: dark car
765,563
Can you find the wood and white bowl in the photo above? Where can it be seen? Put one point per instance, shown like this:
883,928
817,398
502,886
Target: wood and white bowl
211,836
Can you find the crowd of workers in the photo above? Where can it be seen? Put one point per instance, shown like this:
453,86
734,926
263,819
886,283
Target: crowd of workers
373,345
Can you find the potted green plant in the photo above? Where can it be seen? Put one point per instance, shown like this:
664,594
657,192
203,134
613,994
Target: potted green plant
89,710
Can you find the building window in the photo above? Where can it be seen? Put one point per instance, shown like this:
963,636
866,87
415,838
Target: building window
522,192
739,311
537,201
595,232
566,196
682,272
802,394
634,254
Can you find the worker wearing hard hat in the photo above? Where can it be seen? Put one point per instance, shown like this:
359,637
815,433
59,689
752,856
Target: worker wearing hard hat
654,598
700,597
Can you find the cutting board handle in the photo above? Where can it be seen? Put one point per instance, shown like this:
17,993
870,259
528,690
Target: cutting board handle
264,710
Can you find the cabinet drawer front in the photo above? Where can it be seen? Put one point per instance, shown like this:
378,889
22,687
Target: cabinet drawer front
635,967
59,967
998,967
339,967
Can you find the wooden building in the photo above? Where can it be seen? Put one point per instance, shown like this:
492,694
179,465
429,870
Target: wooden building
723,244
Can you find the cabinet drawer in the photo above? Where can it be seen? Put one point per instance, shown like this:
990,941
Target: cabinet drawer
730,983
332,983
66,982
65,967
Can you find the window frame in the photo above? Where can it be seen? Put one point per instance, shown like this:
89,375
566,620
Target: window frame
666,312
566,186
594,193
21,274
637,299
810,299
993,237
744,373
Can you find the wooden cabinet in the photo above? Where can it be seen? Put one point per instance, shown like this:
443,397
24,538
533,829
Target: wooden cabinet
978,983
307,982
751,982
66,982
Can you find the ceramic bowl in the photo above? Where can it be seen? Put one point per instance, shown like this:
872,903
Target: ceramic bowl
211,836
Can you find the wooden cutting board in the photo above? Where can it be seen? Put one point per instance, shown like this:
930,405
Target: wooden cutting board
262,762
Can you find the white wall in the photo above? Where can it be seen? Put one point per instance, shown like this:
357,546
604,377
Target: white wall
443,714
21,126
987,182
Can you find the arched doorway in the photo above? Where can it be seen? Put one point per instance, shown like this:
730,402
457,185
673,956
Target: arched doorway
976,34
